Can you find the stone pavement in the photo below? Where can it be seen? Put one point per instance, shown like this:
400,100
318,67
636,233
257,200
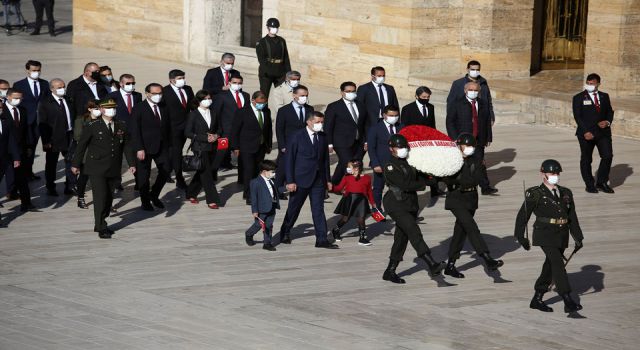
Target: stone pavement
184,279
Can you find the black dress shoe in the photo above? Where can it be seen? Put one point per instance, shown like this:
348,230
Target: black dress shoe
147,207
52,193
82,204
591,189
27,207
52,33
326,245
104,234
285,239
157,203
538,304
269,247
489,191
605,188
35,32
170,181
249,240
13,196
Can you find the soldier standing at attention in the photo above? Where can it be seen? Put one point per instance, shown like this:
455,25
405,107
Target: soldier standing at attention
555,219
100,148
401,203
273,57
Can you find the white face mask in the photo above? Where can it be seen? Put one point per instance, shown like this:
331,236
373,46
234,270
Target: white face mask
468,151
156,98
590,88
235,87
110,112
180,83
3,93
317,127
129,88
302,100
294,83
402,152
61,91
34,75
474,73
392,120
273,31
350,96
349,170
553,179
96,113
206,103
472,94
15,102
379,80
227,67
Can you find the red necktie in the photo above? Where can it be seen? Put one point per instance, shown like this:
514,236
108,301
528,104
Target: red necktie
595,99
474,118
226,77
238,102
129,103
155,111
182,99
16,117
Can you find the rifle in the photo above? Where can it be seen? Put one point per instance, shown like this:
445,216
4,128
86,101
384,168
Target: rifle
526,212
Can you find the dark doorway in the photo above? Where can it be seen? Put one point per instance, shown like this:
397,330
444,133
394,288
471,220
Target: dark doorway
559,34
251,22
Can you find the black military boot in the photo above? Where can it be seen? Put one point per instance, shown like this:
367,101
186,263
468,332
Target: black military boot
390,273
434,267
569,304
363,237
492,264
538,304
451,269
82,204
336,234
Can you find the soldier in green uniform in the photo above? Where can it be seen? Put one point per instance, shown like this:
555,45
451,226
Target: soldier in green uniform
273,57
401,203
462,201
101,146
555,219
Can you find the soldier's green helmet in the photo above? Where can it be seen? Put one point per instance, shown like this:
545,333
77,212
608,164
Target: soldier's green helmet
551,166
466,139
397,140
273,23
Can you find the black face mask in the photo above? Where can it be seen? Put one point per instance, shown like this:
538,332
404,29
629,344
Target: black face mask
423,101
95,76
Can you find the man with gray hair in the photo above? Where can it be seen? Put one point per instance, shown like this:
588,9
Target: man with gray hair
217,79
283,93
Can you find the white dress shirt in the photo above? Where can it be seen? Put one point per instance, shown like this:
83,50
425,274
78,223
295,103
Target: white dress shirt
384,93
206,115
66,107
124,97
311,134
233,93
268,185
296,106
10,108
151,104
420,105
31,81
92,86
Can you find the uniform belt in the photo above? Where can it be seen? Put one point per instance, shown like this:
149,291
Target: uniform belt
553,221
274,60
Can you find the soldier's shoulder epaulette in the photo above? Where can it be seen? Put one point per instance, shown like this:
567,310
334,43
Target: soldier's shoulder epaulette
92,122
565,190
534,192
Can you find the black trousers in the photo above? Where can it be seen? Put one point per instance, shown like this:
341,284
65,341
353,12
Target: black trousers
81,185
407,230
465,227
147,192
21,183
281,172
40,7
553,270
205,177
268,219
51,166
267,80
605,149
479,155
345,155
250,164
102,188
177,144
316,200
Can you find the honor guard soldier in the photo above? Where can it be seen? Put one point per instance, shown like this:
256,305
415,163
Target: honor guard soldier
401,203
100,148
555,219
462,201
273,57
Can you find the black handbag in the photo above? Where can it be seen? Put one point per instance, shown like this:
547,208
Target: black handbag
191,162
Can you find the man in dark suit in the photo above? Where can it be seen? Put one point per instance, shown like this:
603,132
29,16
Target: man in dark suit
100,149
308,176
34,89
126,98
56,116
378,145
473,75
593,113
218,79
9,152
86,88
176,97
14,112
225,106
344,128
375,95
421,112
290,118
471,115
251,138
151,138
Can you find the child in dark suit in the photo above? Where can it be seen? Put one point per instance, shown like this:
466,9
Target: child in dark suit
264,202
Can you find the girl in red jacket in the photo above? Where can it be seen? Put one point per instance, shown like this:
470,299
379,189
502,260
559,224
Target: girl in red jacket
356,191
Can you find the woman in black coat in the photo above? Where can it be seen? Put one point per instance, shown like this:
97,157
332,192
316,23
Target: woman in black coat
203,129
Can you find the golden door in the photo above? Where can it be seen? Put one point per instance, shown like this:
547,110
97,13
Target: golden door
565,28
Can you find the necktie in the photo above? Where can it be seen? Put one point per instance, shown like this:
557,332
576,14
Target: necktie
555,194
155,111
474,118
238,102
424,110
391,130
129,103
273,189
64,111
226,77
382,102
595,100
36,93
316,144
301,114
261,122
354,116
182,99
16,117
111,127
